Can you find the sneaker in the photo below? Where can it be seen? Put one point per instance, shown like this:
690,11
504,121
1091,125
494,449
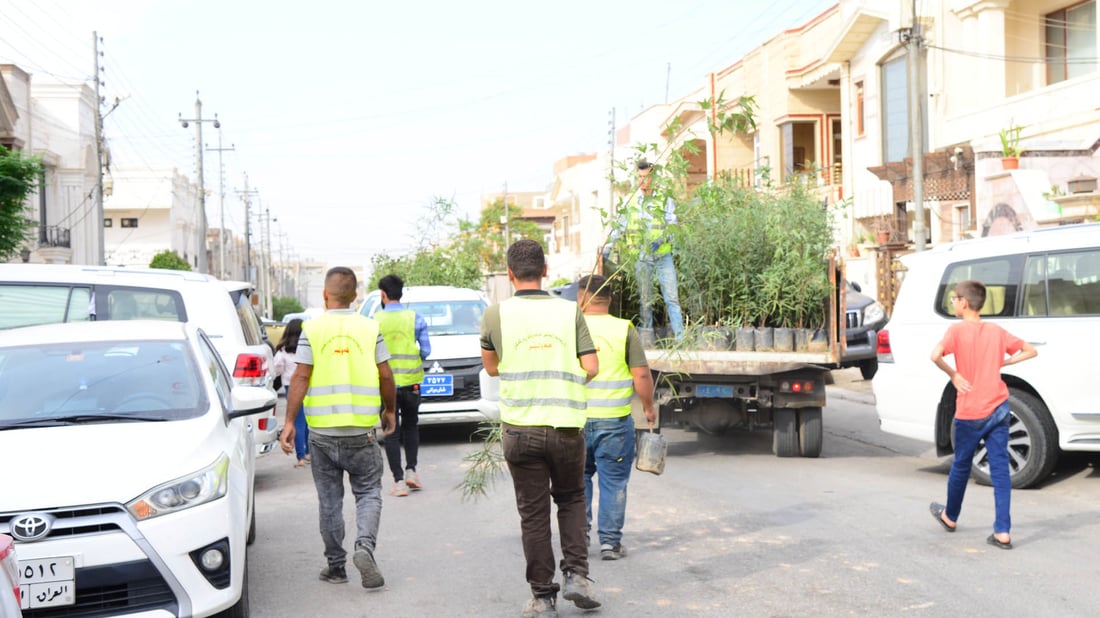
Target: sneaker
612,552
399,489
541,607
578,590
412,479
334,574
368,568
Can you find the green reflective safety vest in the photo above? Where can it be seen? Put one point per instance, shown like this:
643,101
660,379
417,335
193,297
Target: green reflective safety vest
609,393
541,380
399,332
645,223
344,387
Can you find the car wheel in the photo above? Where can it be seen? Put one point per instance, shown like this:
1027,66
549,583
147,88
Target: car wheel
251,538
809,432
868,368
1032,443
785,432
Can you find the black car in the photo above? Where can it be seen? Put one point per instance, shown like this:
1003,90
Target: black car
865,316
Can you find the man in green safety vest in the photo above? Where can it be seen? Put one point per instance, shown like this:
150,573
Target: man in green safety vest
540,347
406,335
344,386
609,431
645,222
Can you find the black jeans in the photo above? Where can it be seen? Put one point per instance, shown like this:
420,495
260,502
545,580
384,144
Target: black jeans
548,463
408,408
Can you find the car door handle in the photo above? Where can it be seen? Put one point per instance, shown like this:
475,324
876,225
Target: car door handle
1037,342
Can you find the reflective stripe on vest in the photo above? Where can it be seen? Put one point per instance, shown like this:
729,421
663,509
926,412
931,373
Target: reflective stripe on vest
399,331
609,393
541,380
645,223
344,386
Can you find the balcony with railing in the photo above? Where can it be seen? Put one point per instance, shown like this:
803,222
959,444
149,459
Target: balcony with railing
53,236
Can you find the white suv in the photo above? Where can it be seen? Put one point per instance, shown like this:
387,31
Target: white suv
1042,286
456,388
33,294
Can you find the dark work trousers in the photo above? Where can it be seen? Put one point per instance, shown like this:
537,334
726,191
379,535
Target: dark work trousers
548,463
408,407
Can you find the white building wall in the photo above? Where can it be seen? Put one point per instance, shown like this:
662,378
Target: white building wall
163,203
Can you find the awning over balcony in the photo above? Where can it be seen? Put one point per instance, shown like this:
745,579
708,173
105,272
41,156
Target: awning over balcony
859,28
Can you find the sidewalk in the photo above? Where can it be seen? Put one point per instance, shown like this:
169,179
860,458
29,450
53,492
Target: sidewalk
849,385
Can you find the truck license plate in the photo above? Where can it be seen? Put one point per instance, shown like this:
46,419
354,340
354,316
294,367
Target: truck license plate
47,582
437,385
714,391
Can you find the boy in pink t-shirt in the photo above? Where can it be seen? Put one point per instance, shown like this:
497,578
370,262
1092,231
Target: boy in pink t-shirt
981,405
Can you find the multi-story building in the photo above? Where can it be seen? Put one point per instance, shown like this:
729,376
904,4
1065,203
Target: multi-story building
150,210
55,121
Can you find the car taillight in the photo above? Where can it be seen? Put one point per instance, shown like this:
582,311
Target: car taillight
885,355
263,424
251,370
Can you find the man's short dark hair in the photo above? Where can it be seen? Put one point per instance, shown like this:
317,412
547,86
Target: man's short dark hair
392,285
526,260
595,285
644,165
341,285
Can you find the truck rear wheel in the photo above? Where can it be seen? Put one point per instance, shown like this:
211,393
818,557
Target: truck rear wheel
809,432
785,432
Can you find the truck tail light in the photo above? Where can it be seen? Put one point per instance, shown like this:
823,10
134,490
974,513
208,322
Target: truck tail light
263,423
251,370
885,355
796,386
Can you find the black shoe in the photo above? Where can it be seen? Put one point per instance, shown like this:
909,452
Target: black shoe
368,568
577,589
334,574
936,509
612,552
995,542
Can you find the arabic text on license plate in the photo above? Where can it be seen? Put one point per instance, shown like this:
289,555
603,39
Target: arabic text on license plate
714,390
47,582
437,385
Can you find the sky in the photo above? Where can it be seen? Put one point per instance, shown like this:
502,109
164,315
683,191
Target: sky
350,118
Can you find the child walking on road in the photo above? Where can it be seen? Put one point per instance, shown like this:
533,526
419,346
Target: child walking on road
981,405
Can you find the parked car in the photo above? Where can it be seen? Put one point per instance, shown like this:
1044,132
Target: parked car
134,491
47,293
456,388
9,579
865,316
1042,286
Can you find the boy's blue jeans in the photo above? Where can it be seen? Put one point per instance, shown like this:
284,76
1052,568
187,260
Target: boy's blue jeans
610,454
994,430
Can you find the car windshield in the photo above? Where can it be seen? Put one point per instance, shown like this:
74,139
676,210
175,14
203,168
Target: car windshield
454,317
59,384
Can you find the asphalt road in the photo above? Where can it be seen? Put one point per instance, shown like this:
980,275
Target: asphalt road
728,529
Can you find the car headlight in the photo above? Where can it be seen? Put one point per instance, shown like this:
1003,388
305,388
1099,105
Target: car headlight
183,493
873,313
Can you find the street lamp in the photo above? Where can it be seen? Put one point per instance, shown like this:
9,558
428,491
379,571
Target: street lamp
198,120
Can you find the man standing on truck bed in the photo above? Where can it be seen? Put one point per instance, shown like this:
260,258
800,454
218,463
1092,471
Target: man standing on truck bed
646,220
609,431
540,347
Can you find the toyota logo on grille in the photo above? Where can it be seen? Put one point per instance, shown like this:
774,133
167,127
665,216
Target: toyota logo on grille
31,527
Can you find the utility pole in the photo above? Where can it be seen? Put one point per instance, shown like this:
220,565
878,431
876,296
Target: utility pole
221,203
507,225
100,232
916,127
611,161
246,197
265,260
198,120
